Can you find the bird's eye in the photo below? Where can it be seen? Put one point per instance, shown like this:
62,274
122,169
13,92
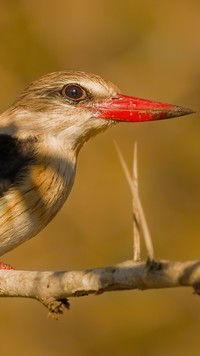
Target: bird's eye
73,92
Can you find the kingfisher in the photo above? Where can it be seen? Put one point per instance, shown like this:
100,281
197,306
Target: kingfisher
41,135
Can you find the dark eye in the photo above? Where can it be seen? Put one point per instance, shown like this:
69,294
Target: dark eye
73,92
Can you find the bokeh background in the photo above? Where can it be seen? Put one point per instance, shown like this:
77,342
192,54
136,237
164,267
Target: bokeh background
149,49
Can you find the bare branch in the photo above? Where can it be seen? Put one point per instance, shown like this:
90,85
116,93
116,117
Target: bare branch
53,288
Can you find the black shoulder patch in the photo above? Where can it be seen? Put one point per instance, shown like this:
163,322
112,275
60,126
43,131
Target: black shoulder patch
16,156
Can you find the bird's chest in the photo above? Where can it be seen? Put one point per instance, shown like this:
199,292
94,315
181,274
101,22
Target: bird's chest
50,183
29,206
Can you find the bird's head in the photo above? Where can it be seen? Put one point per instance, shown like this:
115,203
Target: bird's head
76,106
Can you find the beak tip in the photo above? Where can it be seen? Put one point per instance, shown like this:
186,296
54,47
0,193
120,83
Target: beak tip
181,111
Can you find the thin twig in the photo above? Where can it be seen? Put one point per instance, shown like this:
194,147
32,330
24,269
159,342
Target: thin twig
144,226
136,222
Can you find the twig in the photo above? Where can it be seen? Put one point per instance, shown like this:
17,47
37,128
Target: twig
144,226
136,222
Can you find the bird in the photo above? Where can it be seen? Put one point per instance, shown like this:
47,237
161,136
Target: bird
41,135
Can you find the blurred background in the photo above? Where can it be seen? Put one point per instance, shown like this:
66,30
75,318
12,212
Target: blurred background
149,49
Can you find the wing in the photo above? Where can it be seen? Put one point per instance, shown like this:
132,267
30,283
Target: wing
16,156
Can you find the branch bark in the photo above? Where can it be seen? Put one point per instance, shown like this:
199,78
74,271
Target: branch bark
53,288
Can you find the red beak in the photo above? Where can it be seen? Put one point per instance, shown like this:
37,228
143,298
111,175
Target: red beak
128,108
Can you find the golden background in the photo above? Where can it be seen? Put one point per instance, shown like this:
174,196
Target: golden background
149,49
